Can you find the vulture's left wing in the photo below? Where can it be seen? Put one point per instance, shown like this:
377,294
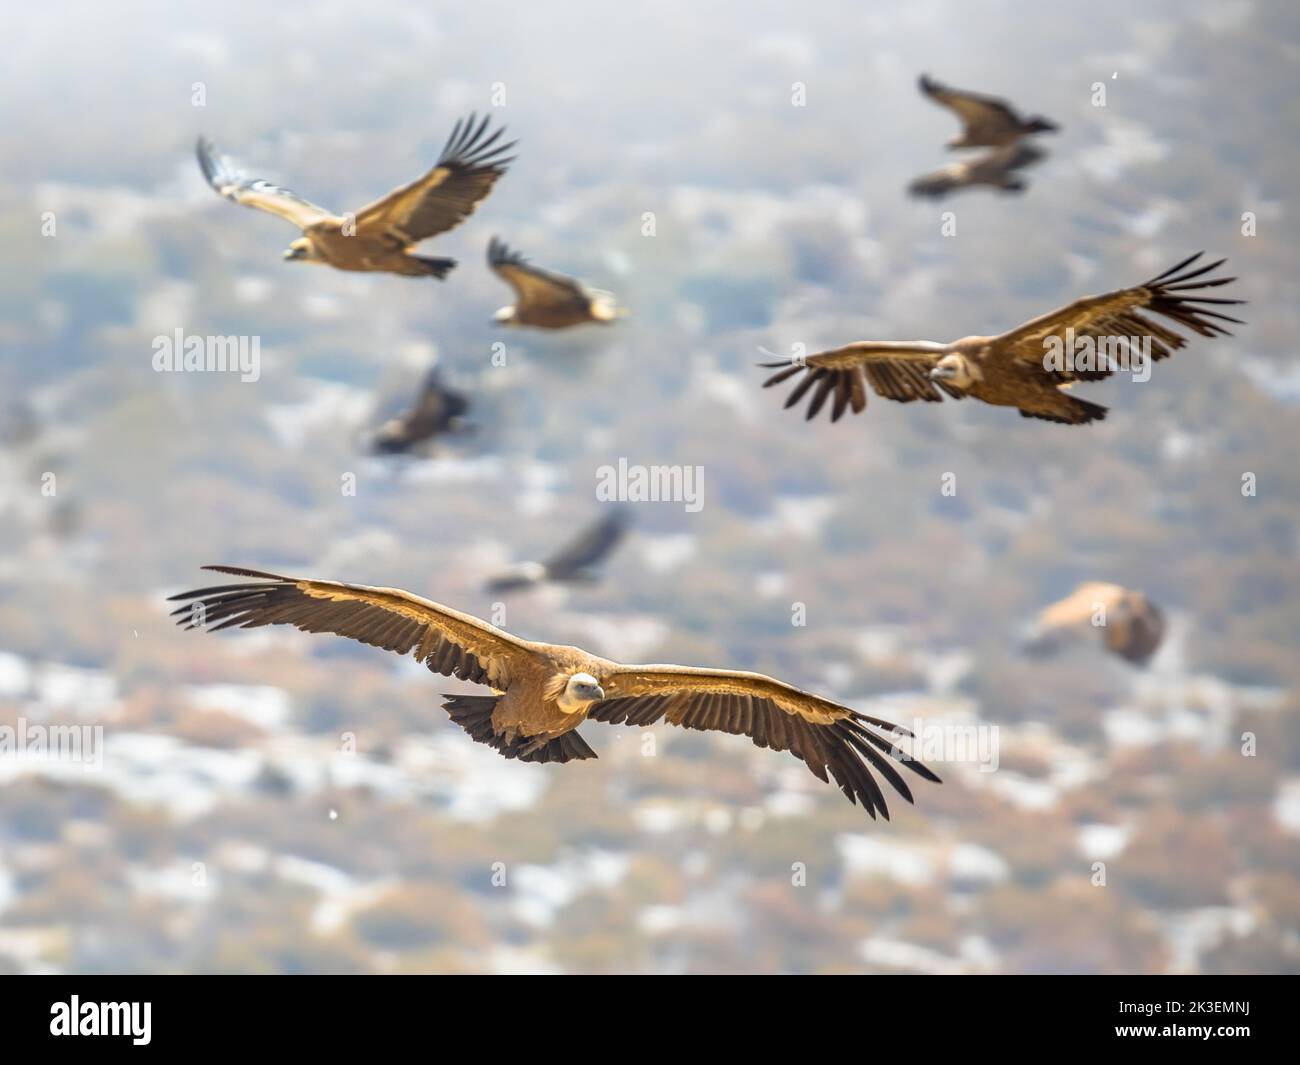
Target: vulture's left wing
534,287
1114,320
448,194
445,640
829,738
237,186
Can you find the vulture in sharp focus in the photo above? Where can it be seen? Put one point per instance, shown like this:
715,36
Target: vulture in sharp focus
987,122
575,562
379,238
1021,368
545,300
1130,625
996,168
543,692
436,412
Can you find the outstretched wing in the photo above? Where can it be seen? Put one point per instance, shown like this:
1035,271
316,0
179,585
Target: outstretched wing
896,370
534,288
1114,320
976,111
254,192
448,194
592,545
445,640
829,738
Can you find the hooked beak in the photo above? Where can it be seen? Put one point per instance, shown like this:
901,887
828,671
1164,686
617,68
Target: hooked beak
292,253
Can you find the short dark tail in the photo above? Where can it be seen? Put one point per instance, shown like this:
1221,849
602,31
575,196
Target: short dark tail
1085,412
473,713
438,268
1068,410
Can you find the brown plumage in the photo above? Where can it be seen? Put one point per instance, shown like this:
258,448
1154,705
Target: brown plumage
545,300
381,237
542,692
995,168
1016,368
1130,625
436,412
987,121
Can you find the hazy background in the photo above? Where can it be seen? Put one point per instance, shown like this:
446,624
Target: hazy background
228,831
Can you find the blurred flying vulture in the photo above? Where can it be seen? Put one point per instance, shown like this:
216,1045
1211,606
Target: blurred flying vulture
436,412
379,238
987,122
1130,625
546,300
1030,367
543,692
573,563
996,168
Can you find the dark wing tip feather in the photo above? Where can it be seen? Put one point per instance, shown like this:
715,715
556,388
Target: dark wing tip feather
467,149
836,386
858,725
1173,270
206,153
241,572
501,254
786,371
1174,295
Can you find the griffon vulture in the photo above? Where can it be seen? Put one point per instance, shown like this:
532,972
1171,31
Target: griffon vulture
1130,625
546,300
575,561
543,692
987,122
996,168
379,238
1018,368
436,412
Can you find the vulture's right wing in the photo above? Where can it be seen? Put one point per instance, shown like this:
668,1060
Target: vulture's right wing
238,187
445,640
896,370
